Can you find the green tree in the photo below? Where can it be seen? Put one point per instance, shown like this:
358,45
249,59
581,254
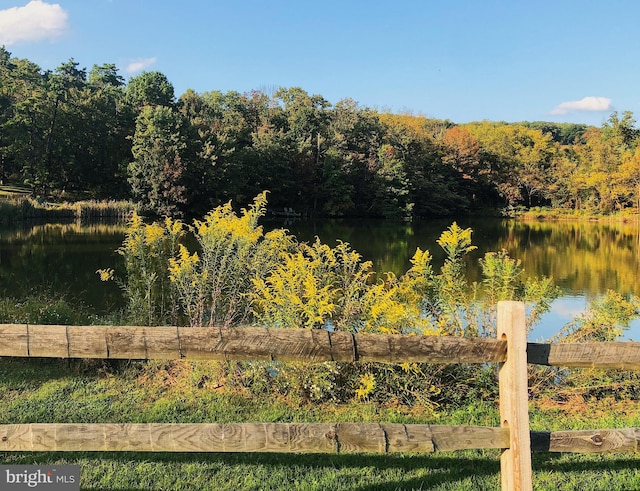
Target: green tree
562,133
65,86
8,99
106,127
462,152
566,188
621,131
105,76
627,179
355,136
392,193
605,170
60,131
433,188
150,89
305,128
599,161
157,174
520,158
224,123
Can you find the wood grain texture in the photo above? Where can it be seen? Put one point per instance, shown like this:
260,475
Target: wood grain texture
515,461
253,343
247,343
298,438
449,438
621,355
14,340
435,349
587,441
248,437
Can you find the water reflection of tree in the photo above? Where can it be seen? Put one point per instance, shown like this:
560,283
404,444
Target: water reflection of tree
60,259
53,231
583,257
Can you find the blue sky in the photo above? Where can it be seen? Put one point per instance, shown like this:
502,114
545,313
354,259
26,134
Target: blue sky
551,60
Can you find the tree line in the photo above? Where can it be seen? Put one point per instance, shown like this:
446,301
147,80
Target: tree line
78,132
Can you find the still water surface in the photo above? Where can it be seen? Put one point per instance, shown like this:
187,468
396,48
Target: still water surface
585,258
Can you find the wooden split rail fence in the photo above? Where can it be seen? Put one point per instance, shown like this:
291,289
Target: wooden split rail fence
510,349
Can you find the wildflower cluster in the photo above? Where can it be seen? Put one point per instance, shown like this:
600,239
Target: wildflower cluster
237,274
147,250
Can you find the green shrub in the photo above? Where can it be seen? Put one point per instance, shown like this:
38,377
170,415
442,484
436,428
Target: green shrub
43,308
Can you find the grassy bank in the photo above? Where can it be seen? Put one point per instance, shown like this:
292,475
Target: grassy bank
17,203
26,208
178,391
545,213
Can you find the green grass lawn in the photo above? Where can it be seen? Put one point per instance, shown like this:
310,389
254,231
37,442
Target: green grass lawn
60,391
468,470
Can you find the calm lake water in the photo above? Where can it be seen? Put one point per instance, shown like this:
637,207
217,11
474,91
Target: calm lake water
585,258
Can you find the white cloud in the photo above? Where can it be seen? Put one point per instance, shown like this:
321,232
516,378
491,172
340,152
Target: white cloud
594,104
139,65
35,21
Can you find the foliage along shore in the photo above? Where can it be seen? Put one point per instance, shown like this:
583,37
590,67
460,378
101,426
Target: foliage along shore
27,208
73,129
547,213
21,206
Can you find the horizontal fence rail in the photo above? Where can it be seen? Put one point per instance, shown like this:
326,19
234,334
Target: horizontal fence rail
587,441
243,343
619,355
315,345
250,437
297,438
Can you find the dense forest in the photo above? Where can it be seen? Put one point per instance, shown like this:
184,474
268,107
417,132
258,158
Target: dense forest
75,132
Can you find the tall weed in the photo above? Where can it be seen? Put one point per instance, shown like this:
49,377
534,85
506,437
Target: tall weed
215,284
147,249
237,274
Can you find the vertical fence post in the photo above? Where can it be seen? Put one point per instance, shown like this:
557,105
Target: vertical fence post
515,461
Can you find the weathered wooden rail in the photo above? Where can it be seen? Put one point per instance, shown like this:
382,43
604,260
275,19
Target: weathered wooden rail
250,437
250,343
510,349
